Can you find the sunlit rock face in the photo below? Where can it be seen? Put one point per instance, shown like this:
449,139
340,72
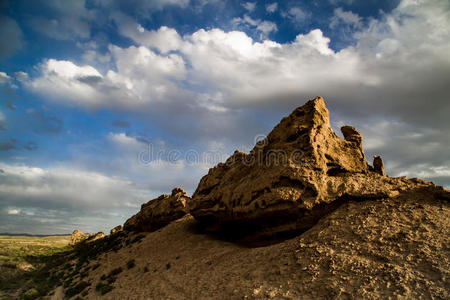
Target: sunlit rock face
300,172
158,212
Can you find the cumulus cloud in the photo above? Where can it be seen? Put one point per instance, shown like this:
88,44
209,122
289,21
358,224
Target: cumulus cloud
164,39
70,20
271,8
13,211
264,27
345,17
397,70
5,78
250,6
296,15
21,76
10,32
142,77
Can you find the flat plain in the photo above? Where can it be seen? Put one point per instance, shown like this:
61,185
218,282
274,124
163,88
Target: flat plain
21,262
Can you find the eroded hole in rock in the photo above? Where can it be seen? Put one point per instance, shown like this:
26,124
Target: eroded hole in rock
293,137
299,113
335,170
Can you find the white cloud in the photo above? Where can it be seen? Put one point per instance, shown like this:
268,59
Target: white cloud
250,6
267,27
297,14
243,72
60,187
61,199
21,76
13,211
345,17
164,39
7,82
264,27
271,8
64,80
398,69
142,76
4,78
69,21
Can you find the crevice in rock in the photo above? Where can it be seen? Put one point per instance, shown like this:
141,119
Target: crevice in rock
258,193
286,181
335,169
277,226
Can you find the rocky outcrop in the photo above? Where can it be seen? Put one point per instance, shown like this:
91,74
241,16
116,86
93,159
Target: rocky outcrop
300,172
77,236
378,166
159,212
93,237
116,229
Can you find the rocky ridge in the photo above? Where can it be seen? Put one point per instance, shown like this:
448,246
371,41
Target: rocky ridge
302,171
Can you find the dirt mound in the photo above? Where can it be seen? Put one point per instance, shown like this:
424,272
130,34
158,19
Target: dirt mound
373,249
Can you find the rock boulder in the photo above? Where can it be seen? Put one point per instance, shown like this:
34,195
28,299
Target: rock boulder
300,172
116,229
159,212
78,236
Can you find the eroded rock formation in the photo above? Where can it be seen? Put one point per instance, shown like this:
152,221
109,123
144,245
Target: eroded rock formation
116,229
378,166
159,212
77,236
94,237
300,172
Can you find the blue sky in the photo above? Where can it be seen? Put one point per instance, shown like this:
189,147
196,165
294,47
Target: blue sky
106,104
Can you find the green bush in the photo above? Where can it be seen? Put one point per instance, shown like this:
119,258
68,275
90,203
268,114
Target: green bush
31,294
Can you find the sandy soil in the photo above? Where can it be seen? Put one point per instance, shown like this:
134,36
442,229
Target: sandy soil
397,249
